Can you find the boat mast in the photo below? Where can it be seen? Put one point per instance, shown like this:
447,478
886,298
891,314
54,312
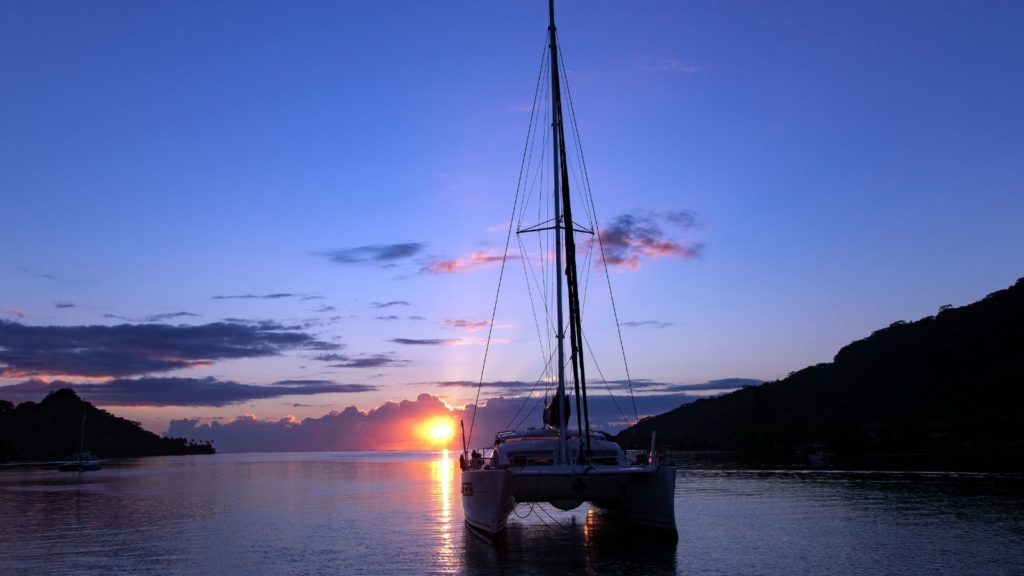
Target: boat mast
556,132
564,228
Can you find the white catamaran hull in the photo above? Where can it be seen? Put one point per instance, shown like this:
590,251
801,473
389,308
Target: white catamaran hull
638,495
487,500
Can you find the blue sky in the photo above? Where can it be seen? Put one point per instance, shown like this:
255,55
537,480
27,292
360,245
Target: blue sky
218,164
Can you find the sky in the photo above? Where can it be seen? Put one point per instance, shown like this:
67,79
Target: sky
260,214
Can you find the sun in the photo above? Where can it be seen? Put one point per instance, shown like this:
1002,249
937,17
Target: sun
439,431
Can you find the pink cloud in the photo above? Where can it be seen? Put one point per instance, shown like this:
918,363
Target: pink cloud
470,261
632,238
467,325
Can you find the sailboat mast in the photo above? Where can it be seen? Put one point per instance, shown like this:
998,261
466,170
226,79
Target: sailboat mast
564,230
556,132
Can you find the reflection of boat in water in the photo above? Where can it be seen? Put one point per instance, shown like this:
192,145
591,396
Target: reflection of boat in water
557,545
555,464
81,461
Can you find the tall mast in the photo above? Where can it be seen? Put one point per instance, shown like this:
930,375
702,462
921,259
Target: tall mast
556,133
564,229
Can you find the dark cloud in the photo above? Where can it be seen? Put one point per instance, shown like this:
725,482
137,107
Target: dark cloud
640,386
416,318
651,323
325,309
361,360
64,304
714,385
392,425
388,317
36,273
388,304
330,357
380,254
168,316
176,391
371,361
274,296
138,349
425,341
633,237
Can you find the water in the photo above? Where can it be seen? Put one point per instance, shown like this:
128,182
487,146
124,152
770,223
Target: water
390,513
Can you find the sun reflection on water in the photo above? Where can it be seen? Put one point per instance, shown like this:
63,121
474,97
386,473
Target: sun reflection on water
442,472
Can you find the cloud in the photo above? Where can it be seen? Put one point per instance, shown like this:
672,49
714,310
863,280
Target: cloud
414,317
651,323
672,65
641,387
371,361
715,385
380,254
177,391
390,426
16,312
138,349
506,386
362,360
160,317
389,304
388,317
467,325
426,341
274,296
64,304
325,309
36,273
633,237
470,261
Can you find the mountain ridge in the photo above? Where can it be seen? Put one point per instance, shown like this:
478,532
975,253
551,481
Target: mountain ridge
52,430
949,384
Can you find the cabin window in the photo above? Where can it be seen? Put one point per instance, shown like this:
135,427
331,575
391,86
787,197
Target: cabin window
535,458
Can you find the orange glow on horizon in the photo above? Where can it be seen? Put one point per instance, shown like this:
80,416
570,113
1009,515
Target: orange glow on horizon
438,431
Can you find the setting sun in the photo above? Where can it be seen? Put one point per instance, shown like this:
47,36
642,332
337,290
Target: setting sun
439,431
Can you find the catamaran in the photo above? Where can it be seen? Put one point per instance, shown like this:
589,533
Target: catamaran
554,463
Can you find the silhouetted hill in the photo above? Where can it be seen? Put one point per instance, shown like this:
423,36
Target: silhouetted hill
950,385
50,430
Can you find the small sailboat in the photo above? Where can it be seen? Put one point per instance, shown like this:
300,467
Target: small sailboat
81,461
555,464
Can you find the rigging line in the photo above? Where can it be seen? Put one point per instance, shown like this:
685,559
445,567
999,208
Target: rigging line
530,189
533,307
511,425
504,256
539,156
600,373
604,258
578,147
526,417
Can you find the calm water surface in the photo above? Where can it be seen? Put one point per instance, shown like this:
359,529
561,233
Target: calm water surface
387,513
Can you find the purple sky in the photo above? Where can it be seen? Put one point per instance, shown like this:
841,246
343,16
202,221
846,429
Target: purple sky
284,209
